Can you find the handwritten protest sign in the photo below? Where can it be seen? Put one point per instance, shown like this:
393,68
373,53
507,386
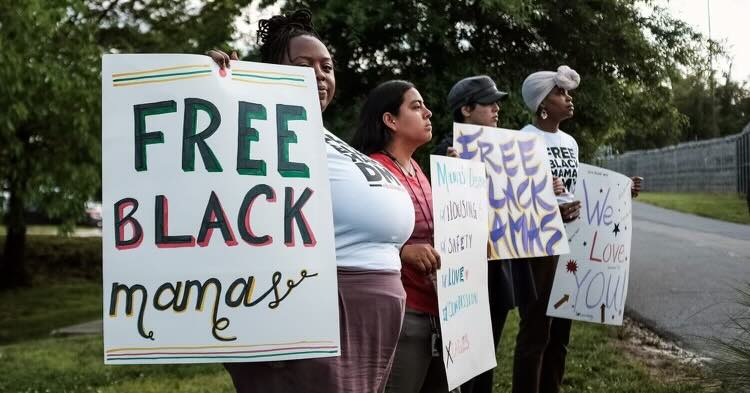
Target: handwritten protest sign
524,220
459,190
591,283
217,232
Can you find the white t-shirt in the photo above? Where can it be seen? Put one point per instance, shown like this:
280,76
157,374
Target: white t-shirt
373,215
562,150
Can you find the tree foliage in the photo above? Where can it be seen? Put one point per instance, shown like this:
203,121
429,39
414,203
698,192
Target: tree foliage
158,26
50,109
625,51
49,116
628,52
724,111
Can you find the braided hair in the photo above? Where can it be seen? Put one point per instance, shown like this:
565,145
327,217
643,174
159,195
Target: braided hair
274,34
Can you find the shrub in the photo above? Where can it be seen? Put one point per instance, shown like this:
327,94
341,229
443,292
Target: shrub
56,257
732,363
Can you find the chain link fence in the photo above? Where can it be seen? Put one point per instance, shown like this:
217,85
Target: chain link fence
714,165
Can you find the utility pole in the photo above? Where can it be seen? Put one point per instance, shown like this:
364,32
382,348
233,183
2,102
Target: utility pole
711,83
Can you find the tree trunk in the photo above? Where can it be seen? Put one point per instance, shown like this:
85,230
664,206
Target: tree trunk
13,270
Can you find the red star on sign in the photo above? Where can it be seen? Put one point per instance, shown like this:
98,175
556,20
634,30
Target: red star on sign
571,266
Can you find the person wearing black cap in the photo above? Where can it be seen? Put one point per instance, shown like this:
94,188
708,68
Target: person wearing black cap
476,100
472,100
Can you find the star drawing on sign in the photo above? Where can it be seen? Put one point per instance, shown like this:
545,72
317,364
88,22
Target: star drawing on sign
616,230
571,266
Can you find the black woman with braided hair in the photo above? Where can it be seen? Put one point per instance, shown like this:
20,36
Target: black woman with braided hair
373,216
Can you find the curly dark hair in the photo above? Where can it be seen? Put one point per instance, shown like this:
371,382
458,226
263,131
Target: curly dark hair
275,33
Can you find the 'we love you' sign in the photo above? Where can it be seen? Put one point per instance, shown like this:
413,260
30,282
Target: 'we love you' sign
591,283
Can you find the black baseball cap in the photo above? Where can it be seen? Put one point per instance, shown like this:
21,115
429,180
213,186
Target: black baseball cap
480,89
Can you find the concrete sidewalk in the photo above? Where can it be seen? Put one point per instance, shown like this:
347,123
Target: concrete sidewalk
87,328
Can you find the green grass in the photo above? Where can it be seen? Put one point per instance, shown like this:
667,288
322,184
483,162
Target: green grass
731,364
29,313
75,365
67,290
33,362
721,206
596,363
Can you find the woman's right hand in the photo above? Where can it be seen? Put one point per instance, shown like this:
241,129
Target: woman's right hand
557,185
221,58
422,257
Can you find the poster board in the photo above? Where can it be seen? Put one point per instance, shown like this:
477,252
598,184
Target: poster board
459,189
591,283
217,230
524,220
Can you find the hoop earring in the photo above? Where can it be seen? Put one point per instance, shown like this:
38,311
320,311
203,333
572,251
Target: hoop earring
544,115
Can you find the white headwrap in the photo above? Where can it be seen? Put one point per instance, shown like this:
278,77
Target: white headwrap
539,84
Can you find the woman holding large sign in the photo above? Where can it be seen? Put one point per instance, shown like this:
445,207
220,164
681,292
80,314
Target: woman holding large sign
371,296
394,123
541,344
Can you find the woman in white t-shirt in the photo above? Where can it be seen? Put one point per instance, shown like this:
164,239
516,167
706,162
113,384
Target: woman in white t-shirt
372,215
541,344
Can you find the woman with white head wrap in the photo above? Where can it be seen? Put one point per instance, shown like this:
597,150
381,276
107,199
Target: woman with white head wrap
541,344
538,85
546,93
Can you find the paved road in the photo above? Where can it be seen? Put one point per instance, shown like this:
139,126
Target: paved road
683,273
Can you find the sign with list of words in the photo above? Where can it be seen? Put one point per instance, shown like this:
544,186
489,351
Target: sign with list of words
459,203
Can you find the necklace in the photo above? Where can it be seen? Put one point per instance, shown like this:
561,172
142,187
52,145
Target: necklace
407,172
427,213
404,170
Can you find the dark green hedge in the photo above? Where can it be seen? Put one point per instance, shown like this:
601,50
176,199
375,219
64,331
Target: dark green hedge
51,257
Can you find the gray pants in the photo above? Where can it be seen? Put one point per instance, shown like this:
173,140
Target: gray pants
415,370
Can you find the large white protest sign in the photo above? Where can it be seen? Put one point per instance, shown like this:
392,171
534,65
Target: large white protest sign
217,231
524,220
591,283
459,189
